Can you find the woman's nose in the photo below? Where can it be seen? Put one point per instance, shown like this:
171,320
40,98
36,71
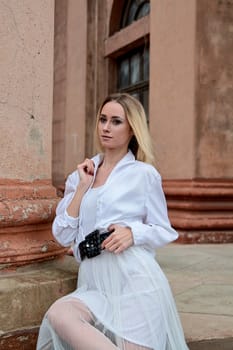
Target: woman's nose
106,126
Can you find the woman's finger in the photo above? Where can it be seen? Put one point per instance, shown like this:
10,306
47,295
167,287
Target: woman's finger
119,240
87,166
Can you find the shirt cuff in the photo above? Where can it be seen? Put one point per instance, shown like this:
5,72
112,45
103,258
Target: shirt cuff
137,229
72,222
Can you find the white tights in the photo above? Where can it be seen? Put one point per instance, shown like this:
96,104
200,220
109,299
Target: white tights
74,323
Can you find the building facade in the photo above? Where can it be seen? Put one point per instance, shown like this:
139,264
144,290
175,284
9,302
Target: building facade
58,60
176,57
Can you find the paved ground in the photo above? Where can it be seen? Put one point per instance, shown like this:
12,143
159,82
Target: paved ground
201,277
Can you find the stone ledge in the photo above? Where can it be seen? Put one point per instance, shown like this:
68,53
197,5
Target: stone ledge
216,344
22,339
28,292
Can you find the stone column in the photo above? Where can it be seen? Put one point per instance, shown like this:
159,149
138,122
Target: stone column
27,197
70,76
191,114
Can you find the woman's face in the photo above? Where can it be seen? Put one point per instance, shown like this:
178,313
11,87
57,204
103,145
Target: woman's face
113,127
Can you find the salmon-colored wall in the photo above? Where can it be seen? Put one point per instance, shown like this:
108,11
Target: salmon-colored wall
59,92
27,198
190,84
172,86
69,115
214,89
26,70
76,83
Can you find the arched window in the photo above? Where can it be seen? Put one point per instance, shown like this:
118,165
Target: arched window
134,10
129,47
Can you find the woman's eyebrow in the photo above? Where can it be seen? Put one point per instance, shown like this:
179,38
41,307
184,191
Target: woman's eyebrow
117,117
113,116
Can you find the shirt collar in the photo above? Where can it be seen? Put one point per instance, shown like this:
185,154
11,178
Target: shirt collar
129,157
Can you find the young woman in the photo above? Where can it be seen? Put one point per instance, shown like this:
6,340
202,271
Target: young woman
123,300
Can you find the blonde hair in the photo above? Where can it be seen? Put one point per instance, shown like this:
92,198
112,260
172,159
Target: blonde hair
140,143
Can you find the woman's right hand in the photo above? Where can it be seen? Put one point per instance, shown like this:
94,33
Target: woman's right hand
86,173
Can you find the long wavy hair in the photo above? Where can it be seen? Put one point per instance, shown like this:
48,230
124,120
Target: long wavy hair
140,143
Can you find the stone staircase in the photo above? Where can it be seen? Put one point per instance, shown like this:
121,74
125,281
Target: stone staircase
201,277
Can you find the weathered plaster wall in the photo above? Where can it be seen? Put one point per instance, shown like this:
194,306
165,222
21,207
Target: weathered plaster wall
214,89
70,76
172,86
59,92
27,199
76,84
26,44
96,68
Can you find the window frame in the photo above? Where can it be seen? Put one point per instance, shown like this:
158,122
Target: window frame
125,20
129,38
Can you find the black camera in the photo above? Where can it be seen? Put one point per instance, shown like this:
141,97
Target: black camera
91,246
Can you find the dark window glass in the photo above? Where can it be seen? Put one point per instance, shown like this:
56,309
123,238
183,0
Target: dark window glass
134,10
145,101
124,73
146,65
131,13
143,10
133,75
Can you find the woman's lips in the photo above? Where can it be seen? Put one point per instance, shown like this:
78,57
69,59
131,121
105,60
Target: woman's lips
104,137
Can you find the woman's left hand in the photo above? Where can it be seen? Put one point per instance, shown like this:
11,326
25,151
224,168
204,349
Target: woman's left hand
119,240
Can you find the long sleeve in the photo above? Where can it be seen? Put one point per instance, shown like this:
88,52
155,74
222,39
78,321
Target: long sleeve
64,226
155,230
138,203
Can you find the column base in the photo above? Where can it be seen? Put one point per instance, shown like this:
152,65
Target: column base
27,210
201,210
205,236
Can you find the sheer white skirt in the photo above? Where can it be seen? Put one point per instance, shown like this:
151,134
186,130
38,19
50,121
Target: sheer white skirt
130,301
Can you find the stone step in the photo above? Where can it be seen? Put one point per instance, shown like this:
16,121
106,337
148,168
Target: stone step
216,344
25,296
200,276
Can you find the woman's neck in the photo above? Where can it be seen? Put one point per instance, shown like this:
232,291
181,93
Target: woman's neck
112,158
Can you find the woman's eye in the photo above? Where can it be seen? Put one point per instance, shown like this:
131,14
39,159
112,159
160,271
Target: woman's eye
116,121
102,120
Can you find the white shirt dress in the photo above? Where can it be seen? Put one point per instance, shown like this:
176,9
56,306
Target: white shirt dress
127,293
